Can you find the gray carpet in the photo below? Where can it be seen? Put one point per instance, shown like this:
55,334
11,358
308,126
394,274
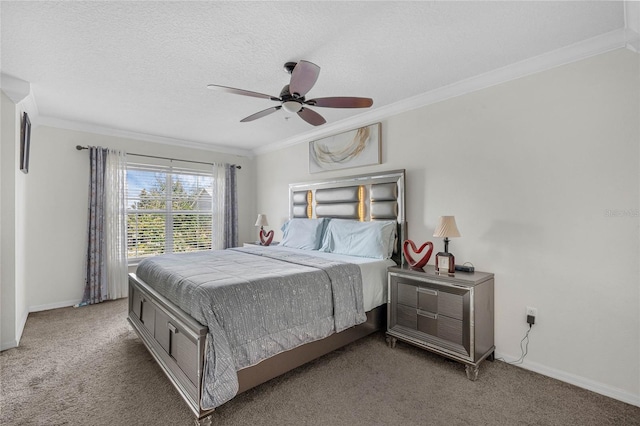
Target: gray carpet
86,366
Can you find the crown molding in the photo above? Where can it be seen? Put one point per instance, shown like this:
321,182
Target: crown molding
633,41
15,88
594,46
20,93
632,24
107,131
30,106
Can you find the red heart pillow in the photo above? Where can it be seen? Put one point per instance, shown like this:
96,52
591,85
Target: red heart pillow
419,264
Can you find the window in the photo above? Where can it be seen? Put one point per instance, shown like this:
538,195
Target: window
169,210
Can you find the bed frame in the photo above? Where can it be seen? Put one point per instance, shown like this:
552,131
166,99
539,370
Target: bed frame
177,341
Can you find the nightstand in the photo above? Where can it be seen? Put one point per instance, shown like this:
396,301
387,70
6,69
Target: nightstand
449,314
257,243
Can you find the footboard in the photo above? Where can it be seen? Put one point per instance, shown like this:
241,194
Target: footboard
175,340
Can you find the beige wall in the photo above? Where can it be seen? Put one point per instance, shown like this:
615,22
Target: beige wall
531,169
56,207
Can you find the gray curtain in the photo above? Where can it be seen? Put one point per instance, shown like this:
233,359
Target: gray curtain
231,207
95,289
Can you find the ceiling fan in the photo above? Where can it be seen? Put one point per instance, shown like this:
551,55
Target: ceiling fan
303,76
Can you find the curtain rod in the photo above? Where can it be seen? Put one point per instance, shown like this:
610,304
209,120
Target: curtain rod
80,148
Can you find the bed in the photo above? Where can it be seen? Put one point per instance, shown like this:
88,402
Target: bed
268,310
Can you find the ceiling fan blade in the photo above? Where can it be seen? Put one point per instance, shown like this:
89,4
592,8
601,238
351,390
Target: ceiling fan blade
341,102
311,117
303,77
241,92
260,114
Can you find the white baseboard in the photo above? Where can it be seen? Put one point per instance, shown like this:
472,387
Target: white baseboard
8,345
56,305
573,379
21,325
15,342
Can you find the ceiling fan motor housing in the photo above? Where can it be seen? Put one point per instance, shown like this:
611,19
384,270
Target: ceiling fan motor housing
290,102
289,66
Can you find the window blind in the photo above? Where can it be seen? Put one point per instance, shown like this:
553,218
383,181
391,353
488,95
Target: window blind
169,210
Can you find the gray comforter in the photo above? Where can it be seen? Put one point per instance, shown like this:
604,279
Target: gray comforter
256,302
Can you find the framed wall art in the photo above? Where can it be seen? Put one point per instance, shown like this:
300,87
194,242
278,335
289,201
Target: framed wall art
355,148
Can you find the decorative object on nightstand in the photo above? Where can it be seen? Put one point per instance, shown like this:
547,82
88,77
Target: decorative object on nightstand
445,261
416,264
445,314
265,237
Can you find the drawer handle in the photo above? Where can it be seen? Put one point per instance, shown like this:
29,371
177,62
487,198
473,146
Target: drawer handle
173,330
427,314
428,291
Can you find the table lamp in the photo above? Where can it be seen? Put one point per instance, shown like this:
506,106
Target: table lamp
445,261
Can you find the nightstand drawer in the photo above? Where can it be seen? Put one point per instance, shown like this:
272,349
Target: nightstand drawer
407,294
440,326
428,299
432,298
407,316
451,304
427,323
450,329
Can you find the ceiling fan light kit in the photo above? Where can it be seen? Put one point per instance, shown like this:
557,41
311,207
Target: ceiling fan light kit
304,75
292,106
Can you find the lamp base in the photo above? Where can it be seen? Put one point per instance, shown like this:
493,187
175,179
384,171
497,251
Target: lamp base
445,263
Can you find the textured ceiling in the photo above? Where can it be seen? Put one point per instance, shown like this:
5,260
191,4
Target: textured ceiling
143,66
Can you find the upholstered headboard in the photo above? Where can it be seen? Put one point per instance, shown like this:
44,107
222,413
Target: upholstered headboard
375,196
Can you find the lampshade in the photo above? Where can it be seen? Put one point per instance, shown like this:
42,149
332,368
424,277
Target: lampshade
447,227
262,220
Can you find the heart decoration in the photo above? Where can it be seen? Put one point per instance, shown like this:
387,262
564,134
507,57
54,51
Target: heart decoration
408,253
266,237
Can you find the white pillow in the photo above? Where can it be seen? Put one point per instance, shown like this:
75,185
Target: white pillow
366,239
303,233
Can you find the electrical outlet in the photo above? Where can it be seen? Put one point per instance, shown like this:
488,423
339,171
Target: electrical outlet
531,315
